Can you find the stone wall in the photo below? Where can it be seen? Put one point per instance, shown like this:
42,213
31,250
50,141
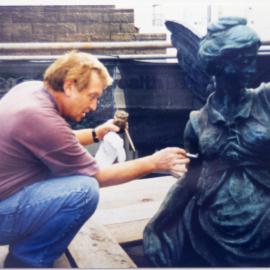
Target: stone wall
71,24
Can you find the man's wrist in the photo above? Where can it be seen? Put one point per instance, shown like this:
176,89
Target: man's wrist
94,135
151,163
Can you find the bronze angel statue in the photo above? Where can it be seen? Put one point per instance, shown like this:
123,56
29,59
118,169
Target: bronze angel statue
218,214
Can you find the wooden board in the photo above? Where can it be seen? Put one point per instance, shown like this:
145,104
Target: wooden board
94,247
62,262
3,254
127,213
128,231
125,209
138,191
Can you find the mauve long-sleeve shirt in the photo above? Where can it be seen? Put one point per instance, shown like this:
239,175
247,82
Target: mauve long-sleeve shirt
36,143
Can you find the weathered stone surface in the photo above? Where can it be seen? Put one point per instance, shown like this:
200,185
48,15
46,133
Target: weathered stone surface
20,32
83,23
150,51
75,37
125,15
122,37
59,28
100,36
154,36
128,28
29,52
81,16
79,8
96,28
5,17
111,52
42,38
22,9
115,28
34,17
5,32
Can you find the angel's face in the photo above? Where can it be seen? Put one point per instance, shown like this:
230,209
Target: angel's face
239,66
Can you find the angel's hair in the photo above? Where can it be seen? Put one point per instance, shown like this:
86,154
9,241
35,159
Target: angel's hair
228,34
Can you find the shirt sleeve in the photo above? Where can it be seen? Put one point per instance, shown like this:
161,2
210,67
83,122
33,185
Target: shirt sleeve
49,138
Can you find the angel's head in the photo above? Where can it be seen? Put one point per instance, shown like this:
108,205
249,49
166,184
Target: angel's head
230,48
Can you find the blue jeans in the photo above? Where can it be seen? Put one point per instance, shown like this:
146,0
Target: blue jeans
39,222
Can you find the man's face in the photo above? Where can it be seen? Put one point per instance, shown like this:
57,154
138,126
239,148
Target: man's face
86,100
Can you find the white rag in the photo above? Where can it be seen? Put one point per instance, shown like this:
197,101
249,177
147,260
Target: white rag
111,149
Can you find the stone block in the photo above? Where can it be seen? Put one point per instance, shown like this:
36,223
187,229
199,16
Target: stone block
78,8
119,52
59,28
77,16
93,28
5,17
150,51
21,9
128,28
154,36
72,38
42,38
33,52
111,52
20,32
100,37
5,32
115,28
122,37
34,17
106,17
124,16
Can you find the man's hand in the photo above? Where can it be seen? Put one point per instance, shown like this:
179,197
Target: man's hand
172,160
106,127
169,160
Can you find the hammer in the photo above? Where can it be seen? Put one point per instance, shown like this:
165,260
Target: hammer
120,119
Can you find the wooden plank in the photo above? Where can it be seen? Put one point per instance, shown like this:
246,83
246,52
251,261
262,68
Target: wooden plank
3,254
125,209
128,231
138,191
94,247
127,213
62,262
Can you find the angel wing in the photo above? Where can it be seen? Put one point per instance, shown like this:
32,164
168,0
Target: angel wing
187,44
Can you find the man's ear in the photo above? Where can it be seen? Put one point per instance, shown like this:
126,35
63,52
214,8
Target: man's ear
67,87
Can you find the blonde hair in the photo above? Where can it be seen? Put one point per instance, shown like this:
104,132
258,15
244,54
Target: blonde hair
77,67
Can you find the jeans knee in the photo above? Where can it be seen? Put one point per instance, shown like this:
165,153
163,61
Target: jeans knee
90,189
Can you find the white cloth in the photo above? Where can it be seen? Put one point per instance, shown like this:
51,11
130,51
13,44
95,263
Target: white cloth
111,149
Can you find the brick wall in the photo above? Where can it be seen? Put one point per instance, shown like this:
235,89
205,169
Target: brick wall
71,24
